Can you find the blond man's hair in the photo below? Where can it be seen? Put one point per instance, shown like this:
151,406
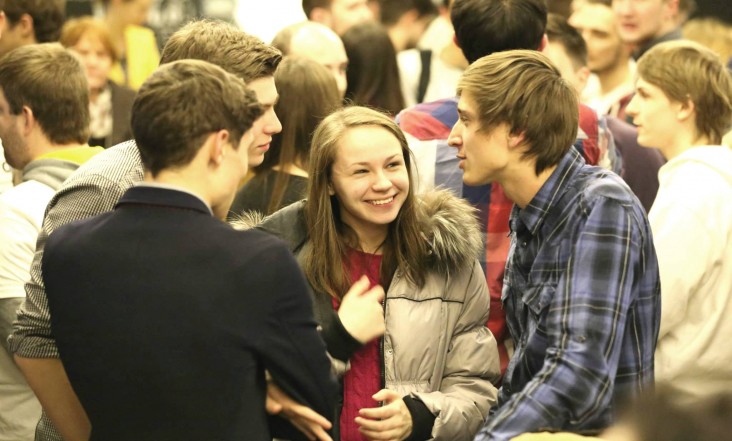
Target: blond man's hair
524,90
685,70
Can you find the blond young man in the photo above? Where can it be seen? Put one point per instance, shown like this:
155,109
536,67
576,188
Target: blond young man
683,106
581,291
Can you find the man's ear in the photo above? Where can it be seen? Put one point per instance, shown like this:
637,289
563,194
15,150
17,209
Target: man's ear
583,74
217,145
25,24
3,23
543,43
320,15
515,139
29,120
687,110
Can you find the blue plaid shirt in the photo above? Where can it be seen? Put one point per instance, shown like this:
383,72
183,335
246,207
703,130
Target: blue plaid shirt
582,300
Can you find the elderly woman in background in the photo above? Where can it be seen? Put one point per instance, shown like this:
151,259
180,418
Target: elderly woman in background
110,104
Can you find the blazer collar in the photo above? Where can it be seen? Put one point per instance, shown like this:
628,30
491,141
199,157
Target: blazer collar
163,197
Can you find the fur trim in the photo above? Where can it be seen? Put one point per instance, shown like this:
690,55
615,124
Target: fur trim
246,220
451,228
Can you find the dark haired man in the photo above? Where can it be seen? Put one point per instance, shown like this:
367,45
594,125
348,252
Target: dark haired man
96,189
165,317
29,21
582,290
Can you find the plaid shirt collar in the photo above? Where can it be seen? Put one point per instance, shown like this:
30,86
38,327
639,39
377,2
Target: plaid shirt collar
532,217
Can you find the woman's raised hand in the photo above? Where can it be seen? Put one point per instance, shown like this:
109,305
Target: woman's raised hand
361,311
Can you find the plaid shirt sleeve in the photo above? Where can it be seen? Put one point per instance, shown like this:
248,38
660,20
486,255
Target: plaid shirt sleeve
584,323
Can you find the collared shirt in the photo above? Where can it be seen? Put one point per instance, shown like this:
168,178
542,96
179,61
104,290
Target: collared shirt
152,184
582,301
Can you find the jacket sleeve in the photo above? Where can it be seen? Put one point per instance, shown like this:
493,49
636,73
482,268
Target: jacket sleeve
471,368
289,344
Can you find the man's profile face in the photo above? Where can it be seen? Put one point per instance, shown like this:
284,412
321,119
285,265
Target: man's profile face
598,26
640,21
346,13
14,146
266,125
483,153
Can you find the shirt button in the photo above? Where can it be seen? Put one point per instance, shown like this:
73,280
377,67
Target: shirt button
389,351
523,244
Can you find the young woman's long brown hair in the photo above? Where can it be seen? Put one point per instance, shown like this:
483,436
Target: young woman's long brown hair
405,247
308,93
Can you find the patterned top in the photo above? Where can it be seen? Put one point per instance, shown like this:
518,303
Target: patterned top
93,189
582,300
427,127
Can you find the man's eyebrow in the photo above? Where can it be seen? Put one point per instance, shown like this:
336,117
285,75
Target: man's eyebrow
272,104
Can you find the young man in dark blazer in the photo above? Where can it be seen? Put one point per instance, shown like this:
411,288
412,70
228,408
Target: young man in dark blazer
165,317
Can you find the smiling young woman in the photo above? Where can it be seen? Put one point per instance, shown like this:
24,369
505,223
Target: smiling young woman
422,362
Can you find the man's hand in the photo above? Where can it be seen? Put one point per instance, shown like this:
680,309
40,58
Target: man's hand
391,422
306,420
361,311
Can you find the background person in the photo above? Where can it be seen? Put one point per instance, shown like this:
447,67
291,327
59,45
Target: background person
109,103
373,73
44,124
683,106
308,93
135,44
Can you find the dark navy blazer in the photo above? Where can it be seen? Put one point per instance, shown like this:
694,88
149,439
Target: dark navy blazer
166,319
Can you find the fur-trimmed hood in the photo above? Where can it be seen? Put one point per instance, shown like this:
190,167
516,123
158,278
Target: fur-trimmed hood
449,224
451,227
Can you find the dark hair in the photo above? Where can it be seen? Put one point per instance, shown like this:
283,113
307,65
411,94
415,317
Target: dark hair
393,10
224,45
48,16
373,72
523,89
309,5
308,93
52,83
483,27
559,31
181,104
